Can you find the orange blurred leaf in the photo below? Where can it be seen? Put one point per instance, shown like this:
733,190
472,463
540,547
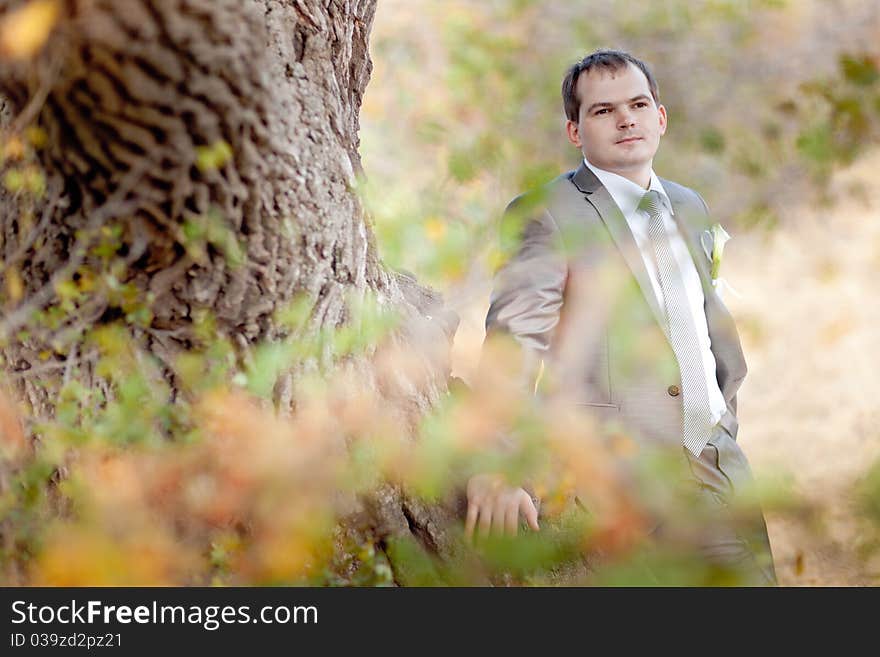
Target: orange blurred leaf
90,556
11,436
13,149
799,564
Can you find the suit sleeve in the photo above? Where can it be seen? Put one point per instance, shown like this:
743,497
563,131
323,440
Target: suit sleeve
528,290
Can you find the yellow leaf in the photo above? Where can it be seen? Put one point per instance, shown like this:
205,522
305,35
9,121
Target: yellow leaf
87,281
215,156
35,181
25,30
435,229
14,180
36,136
14,285
495,259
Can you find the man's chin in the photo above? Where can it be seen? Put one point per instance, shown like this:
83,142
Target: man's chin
627,164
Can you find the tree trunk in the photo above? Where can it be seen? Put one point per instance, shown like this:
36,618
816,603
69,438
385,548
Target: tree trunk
138,100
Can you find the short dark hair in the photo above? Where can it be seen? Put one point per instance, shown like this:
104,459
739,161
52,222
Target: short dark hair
610,60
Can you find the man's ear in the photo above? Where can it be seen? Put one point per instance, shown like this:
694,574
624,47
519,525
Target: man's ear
574,135
661,111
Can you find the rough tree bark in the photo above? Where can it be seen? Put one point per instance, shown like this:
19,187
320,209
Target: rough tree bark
128,91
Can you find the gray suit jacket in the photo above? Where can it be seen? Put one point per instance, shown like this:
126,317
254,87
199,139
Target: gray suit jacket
577,297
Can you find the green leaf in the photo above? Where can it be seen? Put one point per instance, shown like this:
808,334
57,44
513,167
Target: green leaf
816,143
861,71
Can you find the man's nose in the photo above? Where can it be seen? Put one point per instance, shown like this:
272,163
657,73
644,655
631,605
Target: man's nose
625,119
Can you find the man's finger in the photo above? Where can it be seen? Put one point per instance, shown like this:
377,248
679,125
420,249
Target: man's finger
529,511
499,513
471,521
511,517
485,521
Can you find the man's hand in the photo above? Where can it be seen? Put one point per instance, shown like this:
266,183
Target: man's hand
497,506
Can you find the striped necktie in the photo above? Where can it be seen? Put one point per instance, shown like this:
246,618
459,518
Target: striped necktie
681,330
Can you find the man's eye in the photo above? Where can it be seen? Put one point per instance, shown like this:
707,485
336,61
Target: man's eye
601,111
641,104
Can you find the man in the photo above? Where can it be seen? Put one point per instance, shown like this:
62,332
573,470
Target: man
611,290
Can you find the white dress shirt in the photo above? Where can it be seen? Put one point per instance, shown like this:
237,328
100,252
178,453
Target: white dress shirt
628,195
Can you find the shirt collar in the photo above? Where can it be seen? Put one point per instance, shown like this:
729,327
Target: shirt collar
627,194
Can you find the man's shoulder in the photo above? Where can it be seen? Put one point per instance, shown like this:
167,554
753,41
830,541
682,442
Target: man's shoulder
542,196
679,193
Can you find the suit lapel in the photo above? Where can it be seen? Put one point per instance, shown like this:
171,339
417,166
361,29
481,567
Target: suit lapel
599,197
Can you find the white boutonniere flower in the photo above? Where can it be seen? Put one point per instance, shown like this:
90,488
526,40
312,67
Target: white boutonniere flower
713,241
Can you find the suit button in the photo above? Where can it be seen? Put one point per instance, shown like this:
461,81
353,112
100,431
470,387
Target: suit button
674,391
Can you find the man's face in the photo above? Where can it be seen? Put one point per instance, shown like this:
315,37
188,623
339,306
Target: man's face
620,125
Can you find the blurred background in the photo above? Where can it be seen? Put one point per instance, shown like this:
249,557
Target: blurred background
774,110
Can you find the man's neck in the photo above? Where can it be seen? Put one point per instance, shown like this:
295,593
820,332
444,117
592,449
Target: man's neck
641,175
